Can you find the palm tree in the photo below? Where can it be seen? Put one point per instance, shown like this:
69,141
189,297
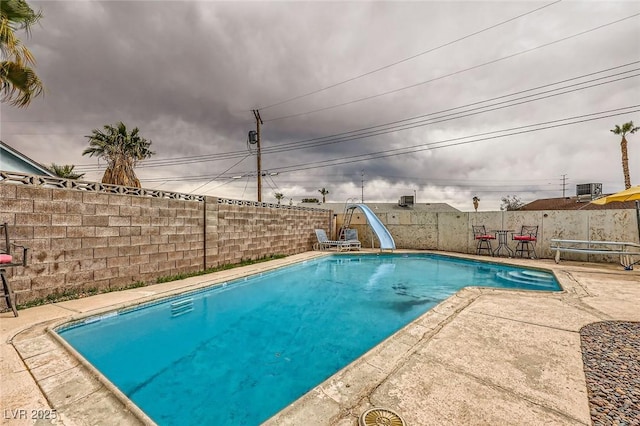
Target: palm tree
626,128
279,196
476,200
18,82
65,171
122,151
324,192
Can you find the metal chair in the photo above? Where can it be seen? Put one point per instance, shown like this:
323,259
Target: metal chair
526,241
483,239
7,260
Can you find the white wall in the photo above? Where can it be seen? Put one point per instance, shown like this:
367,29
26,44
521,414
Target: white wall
452,231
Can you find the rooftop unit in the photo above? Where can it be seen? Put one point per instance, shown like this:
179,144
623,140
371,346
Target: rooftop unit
588,191
406,201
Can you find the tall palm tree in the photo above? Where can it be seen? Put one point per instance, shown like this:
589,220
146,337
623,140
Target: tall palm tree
65,171
627,128
122,150
18,82
324,193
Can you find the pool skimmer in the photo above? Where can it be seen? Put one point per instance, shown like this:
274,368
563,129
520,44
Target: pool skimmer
380,417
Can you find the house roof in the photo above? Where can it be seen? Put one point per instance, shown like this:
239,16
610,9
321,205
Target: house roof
572,203
12,160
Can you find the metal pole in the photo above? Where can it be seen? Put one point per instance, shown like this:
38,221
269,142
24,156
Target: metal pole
204,231
638,218
256,113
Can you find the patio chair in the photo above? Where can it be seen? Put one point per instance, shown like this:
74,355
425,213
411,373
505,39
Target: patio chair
351,236
483,239
7,260
324,243
526,241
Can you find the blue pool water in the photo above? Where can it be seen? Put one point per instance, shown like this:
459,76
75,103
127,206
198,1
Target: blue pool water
238,353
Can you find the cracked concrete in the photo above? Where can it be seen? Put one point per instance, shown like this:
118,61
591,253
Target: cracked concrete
483,356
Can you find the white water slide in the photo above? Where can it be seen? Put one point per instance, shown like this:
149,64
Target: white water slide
383,234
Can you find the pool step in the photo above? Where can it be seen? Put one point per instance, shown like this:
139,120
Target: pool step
527,277
181,307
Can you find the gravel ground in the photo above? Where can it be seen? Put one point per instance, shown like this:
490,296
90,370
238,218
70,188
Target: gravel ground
611,357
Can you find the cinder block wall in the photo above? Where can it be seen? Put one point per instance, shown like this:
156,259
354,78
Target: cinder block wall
251,232
83,241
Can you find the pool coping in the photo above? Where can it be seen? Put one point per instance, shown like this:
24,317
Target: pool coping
335,401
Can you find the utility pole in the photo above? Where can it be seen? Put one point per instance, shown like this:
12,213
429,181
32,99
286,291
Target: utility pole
362,185
564,181
256,114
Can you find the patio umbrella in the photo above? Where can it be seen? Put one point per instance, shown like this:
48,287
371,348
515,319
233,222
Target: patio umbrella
631,194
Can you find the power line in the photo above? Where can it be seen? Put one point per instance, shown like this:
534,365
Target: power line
480,137
427,180
421,124
498,182
437,120
522,52
235,154
385,128
429,146
486,100
208,182
408,58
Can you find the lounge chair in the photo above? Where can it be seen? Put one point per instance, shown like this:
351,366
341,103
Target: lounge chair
324,243
351,235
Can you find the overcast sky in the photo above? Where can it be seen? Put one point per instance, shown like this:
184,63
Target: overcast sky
444,100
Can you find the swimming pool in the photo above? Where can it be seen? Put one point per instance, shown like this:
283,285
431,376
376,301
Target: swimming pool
241,351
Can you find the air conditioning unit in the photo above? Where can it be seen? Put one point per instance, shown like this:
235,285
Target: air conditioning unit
406,201
588,191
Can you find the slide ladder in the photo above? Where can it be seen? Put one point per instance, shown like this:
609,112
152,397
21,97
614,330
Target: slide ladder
348,214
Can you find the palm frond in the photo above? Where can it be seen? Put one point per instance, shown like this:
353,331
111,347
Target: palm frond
65,171
19,84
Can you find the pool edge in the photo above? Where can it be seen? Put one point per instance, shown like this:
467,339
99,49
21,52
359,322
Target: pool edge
402,332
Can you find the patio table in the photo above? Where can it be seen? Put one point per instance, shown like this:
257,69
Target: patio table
501,235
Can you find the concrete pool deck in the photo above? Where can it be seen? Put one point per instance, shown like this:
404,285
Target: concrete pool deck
483,356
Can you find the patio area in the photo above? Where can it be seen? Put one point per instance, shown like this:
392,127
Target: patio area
483,356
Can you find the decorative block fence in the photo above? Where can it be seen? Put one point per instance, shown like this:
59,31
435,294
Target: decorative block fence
86,236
